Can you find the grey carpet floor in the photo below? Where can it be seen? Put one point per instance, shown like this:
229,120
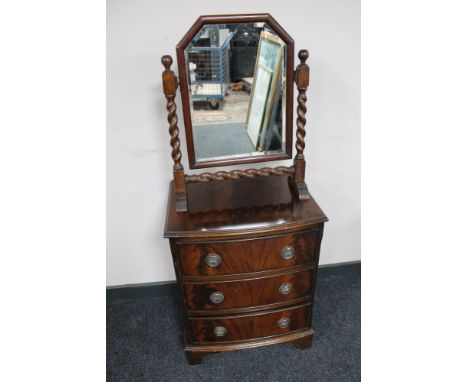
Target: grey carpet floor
221,139
144,340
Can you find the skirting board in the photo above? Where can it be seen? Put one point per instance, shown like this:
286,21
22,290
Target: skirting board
169,288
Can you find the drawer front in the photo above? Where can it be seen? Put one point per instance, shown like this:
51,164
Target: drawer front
243,256
248,293
249,327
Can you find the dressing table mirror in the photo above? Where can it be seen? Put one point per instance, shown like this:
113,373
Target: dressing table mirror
245,243
229,118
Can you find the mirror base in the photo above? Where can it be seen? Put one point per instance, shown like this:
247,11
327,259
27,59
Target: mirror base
181,202
300,189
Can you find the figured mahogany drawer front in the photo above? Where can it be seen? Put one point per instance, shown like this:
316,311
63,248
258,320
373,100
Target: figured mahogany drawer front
248,327
243,256
248,293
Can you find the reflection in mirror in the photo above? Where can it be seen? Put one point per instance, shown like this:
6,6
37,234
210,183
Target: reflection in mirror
237,89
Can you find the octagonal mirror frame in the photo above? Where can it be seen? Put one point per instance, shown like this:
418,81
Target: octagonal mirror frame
226,19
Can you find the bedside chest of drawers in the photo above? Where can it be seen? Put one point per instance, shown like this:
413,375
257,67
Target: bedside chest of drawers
245,259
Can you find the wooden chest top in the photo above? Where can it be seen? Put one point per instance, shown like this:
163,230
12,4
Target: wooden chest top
240,208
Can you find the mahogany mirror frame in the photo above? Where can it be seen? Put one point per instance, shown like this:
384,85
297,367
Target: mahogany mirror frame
295,173
180,51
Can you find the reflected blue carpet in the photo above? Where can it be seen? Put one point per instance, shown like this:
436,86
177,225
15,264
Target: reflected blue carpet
221,139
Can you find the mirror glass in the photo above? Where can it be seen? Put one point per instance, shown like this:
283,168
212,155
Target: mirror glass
237,91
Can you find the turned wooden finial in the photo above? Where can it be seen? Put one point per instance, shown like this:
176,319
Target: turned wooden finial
166,60
303,55
170,82
302,70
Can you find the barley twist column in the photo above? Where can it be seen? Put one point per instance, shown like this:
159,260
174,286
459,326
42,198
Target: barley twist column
302,82
170,88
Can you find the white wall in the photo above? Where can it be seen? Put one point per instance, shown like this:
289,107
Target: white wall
139,165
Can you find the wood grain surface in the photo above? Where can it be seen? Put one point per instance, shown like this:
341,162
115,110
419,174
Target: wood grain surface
252,255
249,326
248,293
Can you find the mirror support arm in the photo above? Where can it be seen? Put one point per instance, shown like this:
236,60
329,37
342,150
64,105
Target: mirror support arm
170,85
301,77
250,173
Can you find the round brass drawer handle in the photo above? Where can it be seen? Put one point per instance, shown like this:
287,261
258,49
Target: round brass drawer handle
220,331
213,260
217,297
287,253
285,288
283,322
